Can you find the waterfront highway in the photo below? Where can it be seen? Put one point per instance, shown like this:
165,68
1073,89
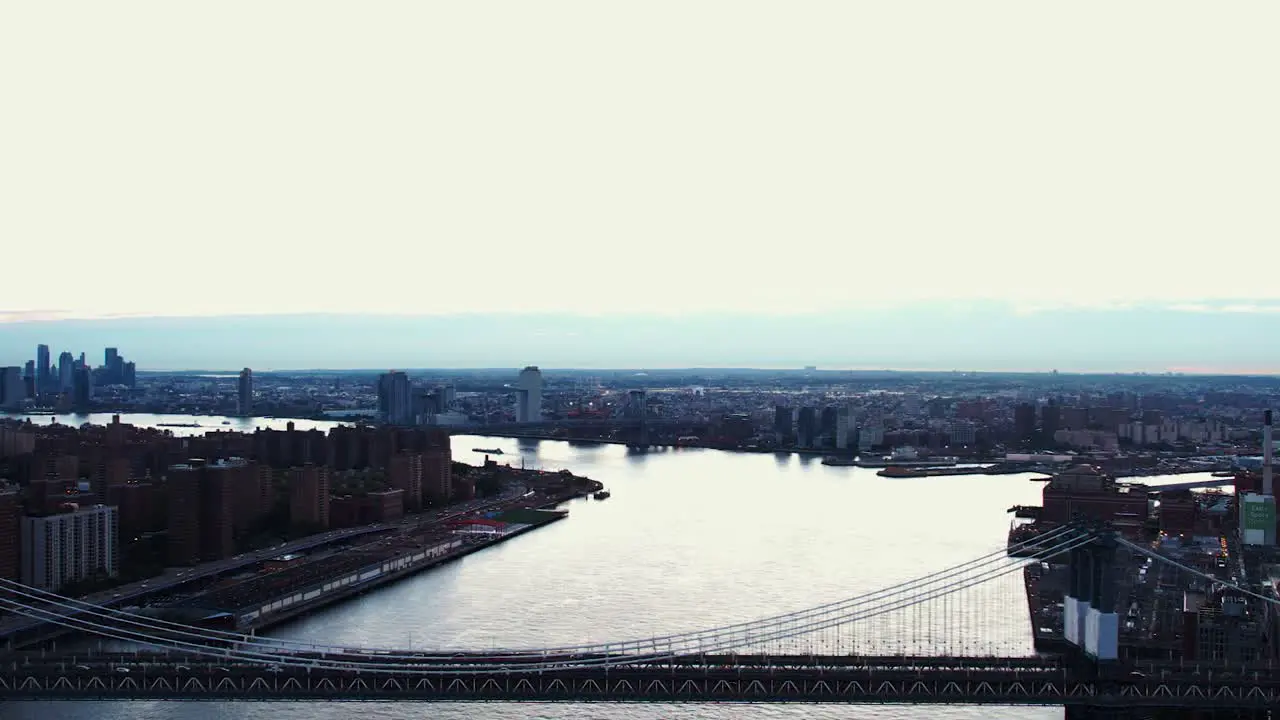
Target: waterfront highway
175,577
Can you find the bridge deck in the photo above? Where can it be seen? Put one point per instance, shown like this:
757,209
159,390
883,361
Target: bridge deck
1014,681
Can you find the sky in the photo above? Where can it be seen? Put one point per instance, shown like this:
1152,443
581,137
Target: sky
658,160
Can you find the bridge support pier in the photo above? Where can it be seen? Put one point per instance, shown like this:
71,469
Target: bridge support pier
1102,624
1089,619
1075,606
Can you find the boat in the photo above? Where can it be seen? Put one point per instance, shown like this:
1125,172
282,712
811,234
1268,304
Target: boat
906,457
488,451
178,425
601,495
226,422
897,471
835,461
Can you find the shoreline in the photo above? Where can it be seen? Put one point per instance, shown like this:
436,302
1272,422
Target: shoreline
332,598
47,633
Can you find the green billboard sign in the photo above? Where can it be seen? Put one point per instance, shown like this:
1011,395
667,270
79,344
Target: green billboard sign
1260,516
1258,520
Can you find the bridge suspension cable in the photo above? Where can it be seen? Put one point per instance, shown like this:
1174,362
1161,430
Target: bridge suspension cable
383,667
761,633
386,668
693,639
152,623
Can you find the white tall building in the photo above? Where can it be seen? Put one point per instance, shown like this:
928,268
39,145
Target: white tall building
60,549
529,395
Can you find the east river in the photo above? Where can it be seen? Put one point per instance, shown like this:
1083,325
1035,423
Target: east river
690,538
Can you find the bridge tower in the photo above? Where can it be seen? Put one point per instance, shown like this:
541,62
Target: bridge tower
1089,617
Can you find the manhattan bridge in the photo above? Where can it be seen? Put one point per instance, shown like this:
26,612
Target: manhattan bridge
945,638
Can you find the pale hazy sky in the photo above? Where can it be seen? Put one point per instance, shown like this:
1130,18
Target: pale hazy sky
176,158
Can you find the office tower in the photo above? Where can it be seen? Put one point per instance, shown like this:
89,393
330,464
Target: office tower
82,393
841,433
10,527
44,374
113,367
244,395
529,399
66,372
69,547
29,378
395,398
13,392
309,497
129,375
783,421
807,427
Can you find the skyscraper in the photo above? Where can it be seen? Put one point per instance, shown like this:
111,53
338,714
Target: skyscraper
82,389
113,367
66,372
44,374
529,399
807,427
395,398
841,434
29,376
13,392
244,398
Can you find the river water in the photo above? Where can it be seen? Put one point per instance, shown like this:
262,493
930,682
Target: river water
206,423
690,538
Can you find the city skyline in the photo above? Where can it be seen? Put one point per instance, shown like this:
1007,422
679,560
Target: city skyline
1234,338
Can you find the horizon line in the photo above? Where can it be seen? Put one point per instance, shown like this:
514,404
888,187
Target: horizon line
1187,372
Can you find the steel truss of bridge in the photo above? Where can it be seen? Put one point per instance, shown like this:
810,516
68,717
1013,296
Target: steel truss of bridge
971,683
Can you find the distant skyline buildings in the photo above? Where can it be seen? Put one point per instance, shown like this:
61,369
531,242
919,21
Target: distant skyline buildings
395,398
922,336
529,395
244,393
69,384
44,376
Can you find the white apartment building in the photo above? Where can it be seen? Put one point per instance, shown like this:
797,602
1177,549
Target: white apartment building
72,546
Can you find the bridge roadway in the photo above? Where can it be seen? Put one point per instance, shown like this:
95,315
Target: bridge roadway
719,678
